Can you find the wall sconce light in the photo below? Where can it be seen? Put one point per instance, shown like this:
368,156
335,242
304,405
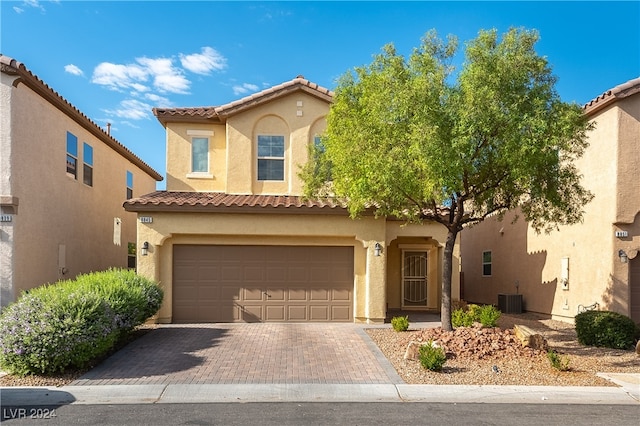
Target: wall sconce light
623,256
378,249
145,248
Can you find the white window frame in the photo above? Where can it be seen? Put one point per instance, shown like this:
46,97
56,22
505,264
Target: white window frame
489,263
200,134
271,158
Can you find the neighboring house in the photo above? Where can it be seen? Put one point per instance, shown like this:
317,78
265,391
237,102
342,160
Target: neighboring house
62,184
231,239
595,262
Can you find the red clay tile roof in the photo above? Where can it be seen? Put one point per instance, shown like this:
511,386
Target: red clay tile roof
219,114
230,203
10,66
629,88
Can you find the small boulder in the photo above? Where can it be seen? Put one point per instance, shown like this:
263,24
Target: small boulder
638,348
413,349
529,338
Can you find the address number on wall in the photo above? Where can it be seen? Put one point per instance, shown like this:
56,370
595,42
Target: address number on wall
6,218
146,219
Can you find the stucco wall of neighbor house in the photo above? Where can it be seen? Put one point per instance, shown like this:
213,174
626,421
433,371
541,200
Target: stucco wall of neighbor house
64,227
7,201
534,261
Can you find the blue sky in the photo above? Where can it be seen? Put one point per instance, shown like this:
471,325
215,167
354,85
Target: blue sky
116,60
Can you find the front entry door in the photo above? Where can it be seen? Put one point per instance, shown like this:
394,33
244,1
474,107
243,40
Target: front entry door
414,278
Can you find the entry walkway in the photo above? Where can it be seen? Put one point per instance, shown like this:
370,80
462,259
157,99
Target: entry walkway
256,353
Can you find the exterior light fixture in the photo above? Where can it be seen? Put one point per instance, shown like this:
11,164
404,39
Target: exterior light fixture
145,248
623,256
378,249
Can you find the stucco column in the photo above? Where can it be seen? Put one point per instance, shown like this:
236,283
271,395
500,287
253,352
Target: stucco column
376,280
148,266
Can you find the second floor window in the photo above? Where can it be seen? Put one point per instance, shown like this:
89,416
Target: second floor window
270,157
72,155
129,185
200,155
87,171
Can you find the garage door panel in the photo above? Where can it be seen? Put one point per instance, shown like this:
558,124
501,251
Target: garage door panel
297,294
340,313
253,274
233,283
276,295
275,313
276,273
251,294
251,313
340,295
319,313
297,313
317,294
229,292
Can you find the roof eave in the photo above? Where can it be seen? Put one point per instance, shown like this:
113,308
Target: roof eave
43,90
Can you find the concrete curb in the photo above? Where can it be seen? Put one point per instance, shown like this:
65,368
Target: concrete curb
215,393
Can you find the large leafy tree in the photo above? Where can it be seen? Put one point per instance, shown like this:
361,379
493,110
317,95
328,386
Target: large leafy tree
416,139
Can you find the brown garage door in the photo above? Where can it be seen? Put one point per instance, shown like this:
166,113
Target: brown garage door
262,283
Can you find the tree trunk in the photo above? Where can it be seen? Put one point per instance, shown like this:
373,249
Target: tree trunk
447,270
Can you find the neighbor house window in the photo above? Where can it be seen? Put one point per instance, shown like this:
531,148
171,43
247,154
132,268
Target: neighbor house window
72,155
486,263
129,185
270,157
87,170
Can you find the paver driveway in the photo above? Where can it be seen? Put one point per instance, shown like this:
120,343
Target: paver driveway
247,353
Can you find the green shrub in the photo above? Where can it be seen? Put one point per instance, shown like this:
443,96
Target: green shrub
558,362
68,324
460,318
45,335
605,328
487,315
432,357
400,323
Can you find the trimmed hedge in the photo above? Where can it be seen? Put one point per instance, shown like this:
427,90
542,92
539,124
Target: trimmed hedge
606,328
68,324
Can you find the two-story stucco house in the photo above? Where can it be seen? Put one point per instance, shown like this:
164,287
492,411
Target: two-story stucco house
231,238
595,262
62,184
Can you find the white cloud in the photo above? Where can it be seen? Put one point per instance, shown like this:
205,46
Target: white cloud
131,109
244,88
166,77
119,77
72,69
205,62
30,3
159,101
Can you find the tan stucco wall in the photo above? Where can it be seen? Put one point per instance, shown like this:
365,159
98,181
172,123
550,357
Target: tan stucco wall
55,209
610,169
179,177
370,271
233,153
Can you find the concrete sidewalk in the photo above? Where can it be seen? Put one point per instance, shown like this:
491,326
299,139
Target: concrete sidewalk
216,393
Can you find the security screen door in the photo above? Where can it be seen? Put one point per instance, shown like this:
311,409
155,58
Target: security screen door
414,278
